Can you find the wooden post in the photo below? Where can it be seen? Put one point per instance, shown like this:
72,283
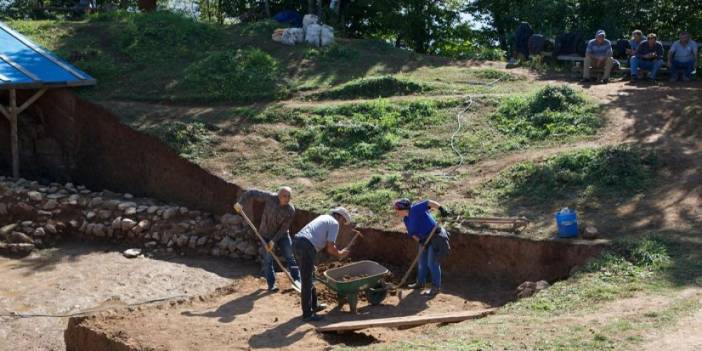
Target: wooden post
14,140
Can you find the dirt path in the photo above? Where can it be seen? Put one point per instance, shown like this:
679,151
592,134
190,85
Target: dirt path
686,335
249,317
80,276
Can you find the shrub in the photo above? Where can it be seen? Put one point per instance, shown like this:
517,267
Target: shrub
611,170
374,87
241,76
190,140
551,111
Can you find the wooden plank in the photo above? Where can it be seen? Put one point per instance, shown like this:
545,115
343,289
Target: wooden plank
407,321
42,52
19,67
31,100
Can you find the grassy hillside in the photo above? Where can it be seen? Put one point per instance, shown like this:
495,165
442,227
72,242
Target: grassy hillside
358,123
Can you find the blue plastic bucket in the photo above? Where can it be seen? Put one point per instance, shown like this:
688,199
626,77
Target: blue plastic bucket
567,222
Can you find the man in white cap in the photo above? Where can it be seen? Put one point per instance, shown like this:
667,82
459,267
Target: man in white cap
598,55
318,235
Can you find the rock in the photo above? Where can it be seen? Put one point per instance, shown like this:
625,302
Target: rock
202,241
251,250
99,230
590,233
130,211
74,223
111,204
19,238
55,196
169,213
143,225
90,215
150,244
128,196
3,209
155,236
39,232
528,288
215,252
541,285
131,253
125,205
117,223
27,223
183,210
35,196
45,213
231,219
152,209
226,243
241,246
181,240
127,224
73,200
192,242
50,205
51,228
7,229
105,214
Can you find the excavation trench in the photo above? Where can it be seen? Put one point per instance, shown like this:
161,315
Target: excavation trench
64,138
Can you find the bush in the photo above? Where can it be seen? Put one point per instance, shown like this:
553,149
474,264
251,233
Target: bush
551,111
334,136
611,170
374,87
191,140
240,76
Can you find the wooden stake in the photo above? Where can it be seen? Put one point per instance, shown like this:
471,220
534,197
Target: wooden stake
14,140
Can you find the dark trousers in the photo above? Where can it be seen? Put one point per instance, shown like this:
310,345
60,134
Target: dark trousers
305,255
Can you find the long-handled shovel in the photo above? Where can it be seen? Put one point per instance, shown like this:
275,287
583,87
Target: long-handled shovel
414,263
295,285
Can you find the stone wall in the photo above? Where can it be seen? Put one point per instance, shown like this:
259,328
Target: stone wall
35,215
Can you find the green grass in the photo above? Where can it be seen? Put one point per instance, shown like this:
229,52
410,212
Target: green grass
617,170
192,140
374,87
356,133
553,111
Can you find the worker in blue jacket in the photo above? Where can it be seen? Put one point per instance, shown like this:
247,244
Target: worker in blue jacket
420,223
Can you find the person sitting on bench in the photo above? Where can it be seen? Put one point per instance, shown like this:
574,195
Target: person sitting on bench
634,42
649,57
682,58
598,55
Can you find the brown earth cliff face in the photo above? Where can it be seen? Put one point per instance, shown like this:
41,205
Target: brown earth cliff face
65,138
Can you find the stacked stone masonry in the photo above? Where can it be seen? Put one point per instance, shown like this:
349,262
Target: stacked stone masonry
34,215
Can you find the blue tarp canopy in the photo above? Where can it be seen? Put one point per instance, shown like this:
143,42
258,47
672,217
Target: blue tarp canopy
23,64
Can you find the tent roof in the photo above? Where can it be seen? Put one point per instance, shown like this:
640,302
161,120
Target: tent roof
24,64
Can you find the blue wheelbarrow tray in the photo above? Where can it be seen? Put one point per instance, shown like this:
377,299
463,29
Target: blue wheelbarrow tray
369,279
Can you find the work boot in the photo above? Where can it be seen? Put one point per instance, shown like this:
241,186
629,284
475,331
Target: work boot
320,307
273,288
674,78
605,80
312,318
686,78
431,292
416,286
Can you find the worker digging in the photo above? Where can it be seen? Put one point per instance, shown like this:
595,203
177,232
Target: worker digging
277,216
318,235
422,227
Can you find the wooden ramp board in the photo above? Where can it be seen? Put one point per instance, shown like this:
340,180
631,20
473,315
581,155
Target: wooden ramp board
407,321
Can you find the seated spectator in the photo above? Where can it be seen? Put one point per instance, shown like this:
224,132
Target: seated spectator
682,58
649,57
636,39
598,55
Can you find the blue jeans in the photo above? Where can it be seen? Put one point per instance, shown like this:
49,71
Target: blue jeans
429,262
651,66
686,68
285,246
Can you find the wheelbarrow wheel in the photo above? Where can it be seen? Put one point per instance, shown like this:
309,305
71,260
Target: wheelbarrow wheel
377,294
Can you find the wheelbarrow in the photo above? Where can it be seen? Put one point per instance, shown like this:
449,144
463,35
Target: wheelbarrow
349,280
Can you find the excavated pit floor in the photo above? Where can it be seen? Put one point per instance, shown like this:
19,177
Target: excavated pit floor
80,276
75,277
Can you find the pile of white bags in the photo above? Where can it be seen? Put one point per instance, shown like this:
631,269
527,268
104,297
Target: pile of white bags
311,32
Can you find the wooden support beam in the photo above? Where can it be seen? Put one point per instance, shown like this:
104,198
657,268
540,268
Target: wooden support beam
14,139
408,321
31,100
5,112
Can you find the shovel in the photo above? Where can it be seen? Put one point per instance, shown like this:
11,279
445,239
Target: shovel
394,288
295,285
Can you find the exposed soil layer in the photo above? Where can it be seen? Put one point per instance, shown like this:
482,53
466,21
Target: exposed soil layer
77,277
246,316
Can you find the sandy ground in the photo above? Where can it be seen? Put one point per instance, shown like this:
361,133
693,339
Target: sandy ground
77,277
249,317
